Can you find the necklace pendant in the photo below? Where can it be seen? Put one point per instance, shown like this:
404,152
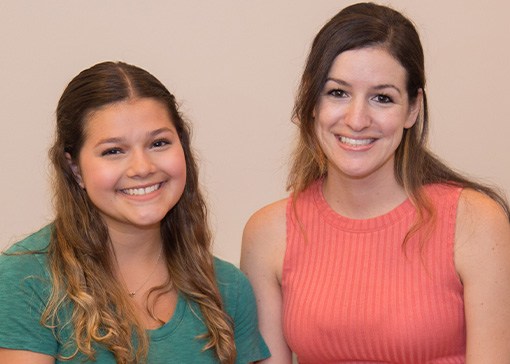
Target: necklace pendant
132,294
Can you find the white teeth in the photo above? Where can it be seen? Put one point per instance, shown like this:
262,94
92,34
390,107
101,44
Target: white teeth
141,191
355,142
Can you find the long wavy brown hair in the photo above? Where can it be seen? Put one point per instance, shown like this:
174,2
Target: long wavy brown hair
80,254
369,25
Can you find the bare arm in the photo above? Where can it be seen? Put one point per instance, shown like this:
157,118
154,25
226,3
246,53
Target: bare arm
263,249
482,260
8,356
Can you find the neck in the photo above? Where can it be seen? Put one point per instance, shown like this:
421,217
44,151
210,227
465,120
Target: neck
140,245
140,262
362,198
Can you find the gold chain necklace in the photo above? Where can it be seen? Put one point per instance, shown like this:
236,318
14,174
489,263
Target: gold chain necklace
133,293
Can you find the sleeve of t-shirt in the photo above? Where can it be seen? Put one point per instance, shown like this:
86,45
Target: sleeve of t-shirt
249,342
24,290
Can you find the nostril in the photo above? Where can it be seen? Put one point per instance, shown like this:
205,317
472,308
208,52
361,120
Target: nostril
140,165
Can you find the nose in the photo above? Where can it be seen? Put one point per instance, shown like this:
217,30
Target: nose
357,115
140,164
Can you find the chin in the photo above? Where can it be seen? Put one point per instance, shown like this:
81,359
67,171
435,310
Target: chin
148,221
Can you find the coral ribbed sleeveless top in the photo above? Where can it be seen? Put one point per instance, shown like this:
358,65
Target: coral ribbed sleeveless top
352,294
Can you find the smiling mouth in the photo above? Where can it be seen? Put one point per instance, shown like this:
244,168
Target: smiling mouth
355,142
141,191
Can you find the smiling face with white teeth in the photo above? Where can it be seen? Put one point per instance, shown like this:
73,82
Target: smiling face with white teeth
362,113
132,163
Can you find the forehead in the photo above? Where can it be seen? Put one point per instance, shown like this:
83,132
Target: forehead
371,65
125,115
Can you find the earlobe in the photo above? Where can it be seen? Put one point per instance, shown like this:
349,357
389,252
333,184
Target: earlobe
75,169
415,109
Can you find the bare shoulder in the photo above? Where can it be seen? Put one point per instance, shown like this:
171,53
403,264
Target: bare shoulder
478,204
479,216
264,238
262,256
270,219
482,227
482,260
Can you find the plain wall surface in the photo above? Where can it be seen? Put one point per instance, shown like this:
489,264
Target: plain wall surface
234,66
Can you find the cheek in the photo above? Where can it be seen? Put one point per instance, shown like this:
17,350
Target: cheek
323,122
321,140
395,136
180,168
395,123
97,176
398,137
175,164
326,115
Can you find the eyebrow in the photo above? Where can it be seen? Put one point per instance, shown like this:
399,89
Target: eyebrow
378,87
150,134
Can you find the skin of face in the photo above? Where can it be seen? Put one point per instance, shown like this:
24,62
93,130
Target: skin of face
362,112
132,163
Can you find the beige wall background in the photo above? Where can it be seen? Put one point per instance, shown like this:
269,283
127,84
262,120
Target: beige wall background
234,65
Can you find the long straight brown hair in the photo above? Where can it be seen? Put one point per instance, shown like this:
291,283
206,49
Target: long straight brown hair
370,25
80,255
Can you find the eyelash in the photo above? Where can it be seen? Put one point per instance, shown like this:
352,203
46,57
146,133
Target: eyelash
383,99
161,143
380,98
337,92
111,151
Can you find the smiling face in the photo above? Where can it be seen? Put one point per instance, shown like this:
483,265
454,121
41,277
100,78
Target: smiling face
131,164
362,112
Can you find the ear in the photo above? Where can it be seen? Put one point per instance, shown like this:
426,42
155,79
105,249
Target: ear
414,110
76,170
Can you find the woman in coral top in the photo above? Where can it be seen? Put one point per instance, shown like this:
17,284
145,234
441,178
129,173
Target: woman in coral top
381,254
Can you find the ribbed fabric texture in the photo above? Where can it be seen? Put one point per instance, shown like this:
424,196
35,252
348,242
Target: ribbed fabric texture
351,294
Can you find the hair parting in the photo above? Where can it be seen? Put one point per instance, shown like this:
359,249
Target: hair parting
80,252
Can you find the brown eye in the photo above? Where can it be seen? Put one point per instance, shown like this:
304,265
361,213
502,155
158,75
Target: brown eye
337,93
111,151
161,143
383,99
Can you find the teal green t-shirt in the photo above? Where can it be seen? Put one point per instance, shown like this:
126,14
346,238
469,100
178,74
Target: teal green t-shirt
25,286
